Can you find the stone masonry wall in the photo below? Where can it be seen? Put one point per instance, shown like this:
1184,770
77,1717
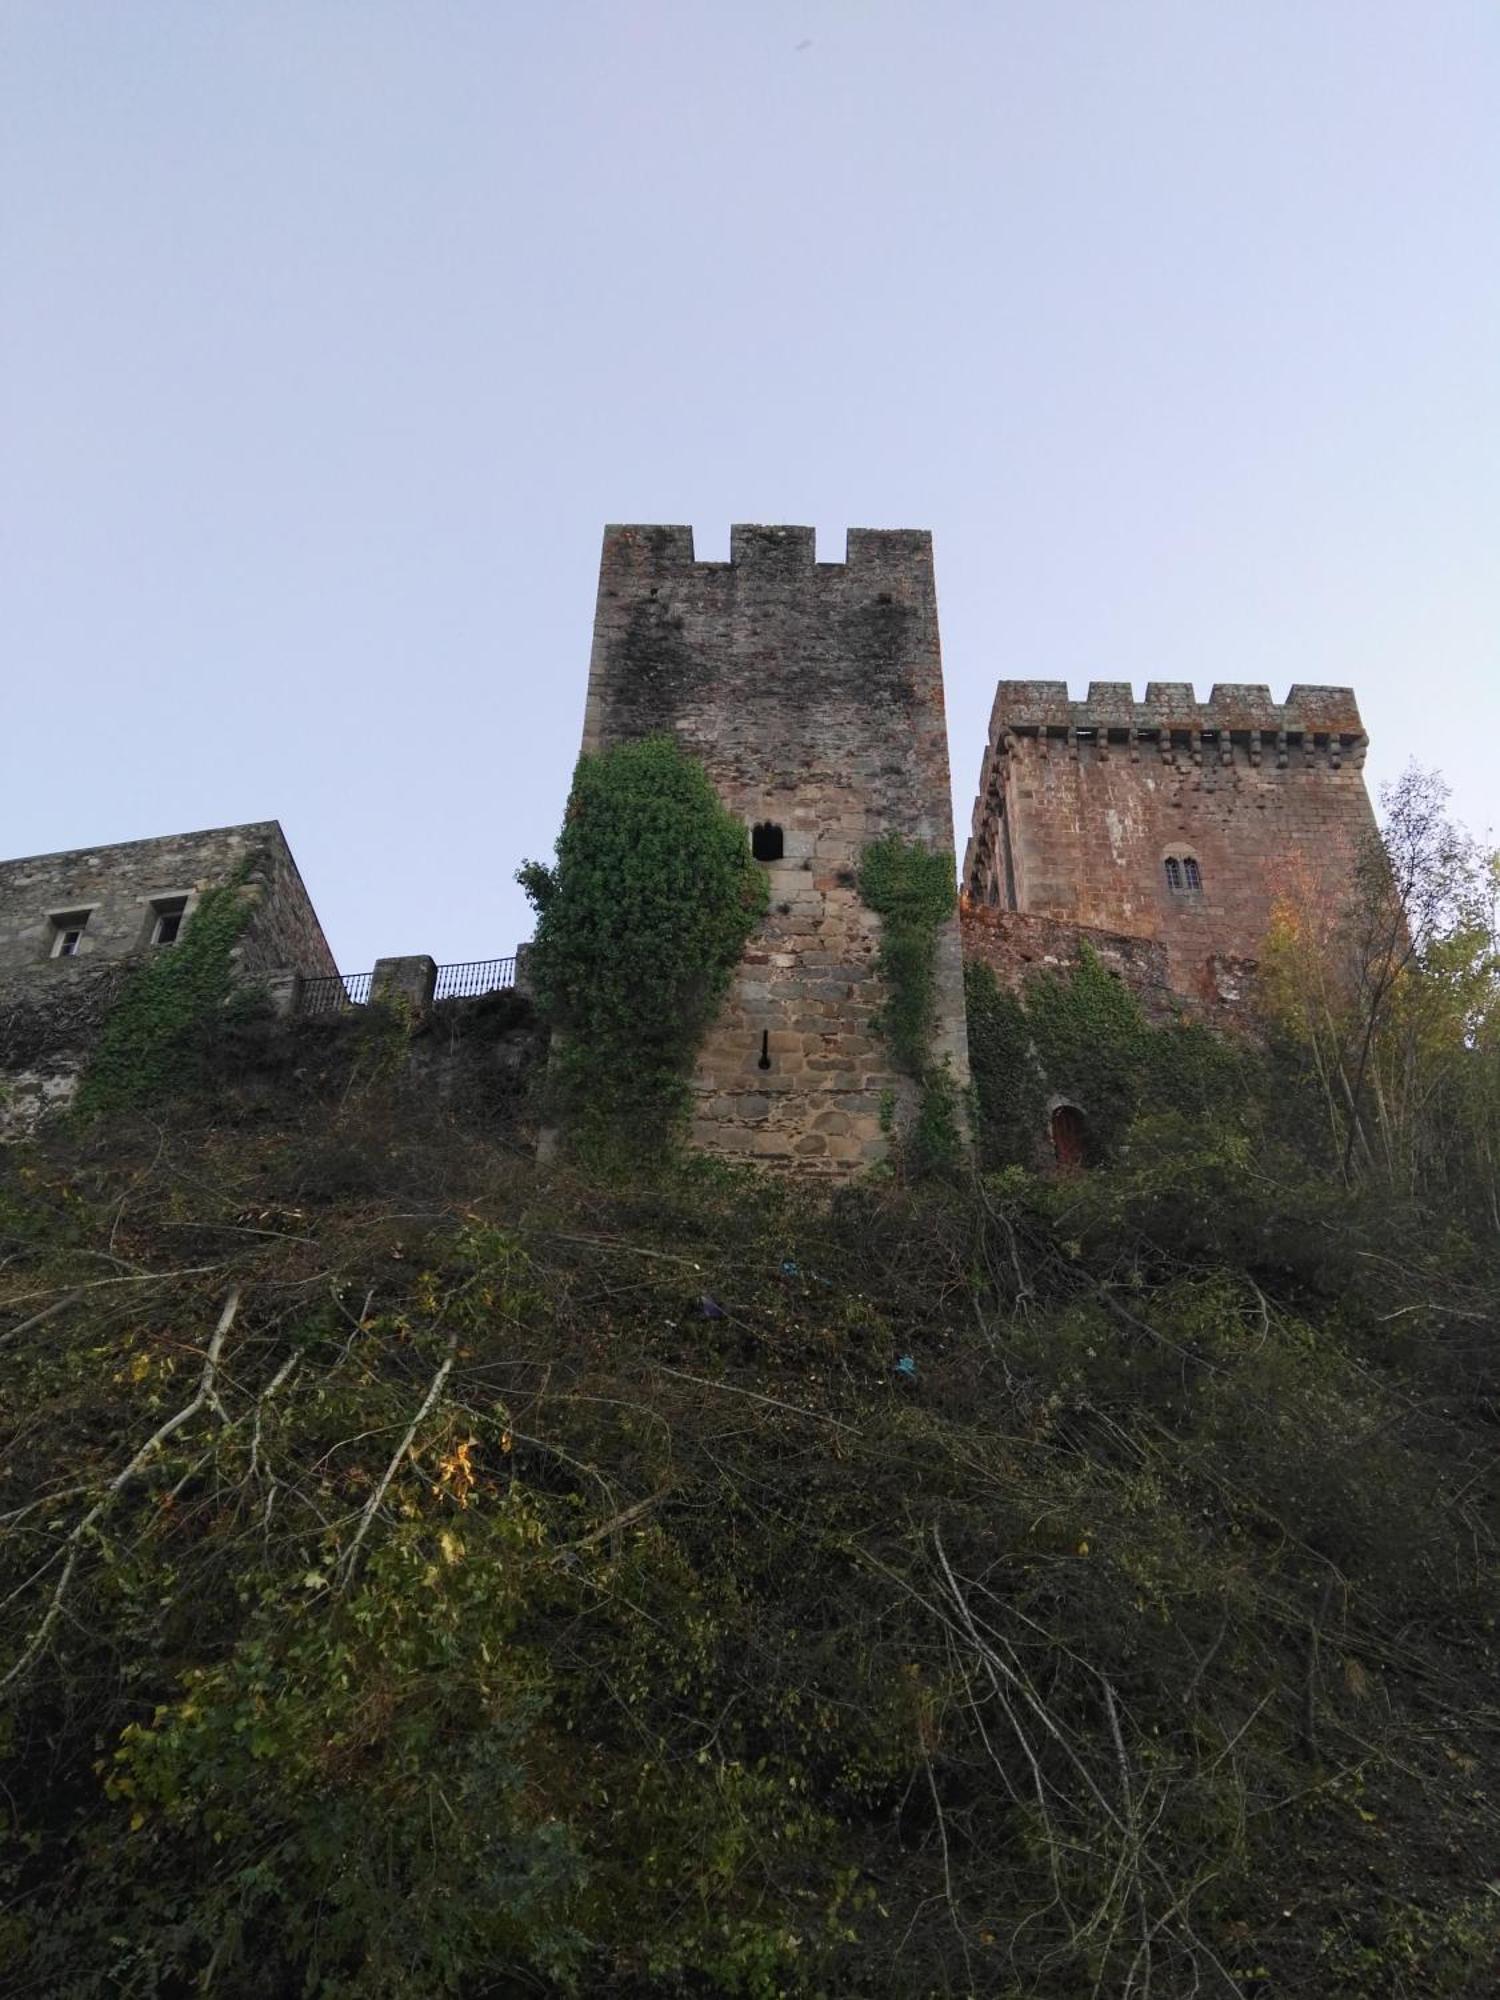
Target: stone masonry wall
812,692
52,1009
283,933
1014,944
1081,803
118,887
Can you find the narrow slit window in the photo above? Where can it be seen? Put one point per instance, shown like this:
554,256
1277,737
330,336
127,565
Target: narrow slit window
765,1049
766,842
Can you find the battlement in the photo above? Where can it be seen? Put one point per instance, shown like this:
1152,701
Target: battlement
667,552
784,656
1171,707
1167,818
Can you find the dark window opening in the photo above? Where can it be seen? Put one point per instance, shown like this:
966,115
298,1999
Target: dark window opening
765,1049
1174,872
766,842
67,933
1069,1136
170,911
1191,878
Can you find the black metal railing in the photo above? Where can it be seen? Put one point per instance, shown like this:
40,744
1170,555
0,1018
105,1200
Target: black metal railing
342,990
480,975
333,994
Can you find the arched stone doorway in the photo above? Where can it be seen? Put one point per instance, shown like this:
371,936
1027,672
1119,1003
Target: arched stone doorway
1069,1137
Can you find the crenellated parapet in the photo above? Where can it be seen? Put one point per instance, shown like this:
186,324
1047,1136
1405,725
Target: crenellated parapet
1240,723
1167,817
666,552
1172,711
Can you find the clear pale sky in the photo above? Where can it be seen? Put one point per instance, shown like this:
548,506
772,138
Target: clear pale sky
332,332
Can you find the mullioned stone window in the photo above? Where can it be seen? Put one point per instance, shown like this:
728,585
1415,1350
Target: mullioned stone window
1184,876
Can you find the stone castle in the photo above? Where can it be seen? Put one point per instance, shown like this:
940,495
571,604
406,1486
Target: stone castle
1160,832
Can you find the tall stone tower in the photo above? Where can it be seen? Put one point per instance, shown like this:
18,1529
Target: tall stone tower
1170,819
812,692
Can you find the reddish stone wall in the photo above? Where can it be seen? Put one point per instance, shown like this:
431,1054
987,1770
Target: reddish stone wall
1082,803
1014,944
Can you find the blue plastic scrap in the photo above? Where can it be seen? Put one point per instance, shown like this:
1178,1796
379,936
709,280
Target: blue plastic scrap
906,1368
709,1307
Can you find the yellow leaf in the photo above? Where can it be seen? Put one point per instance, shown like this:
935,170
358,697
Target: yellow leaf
137,1821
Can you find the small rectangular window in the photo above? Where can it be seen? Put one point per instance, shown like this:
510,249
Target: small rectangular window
170,911
67,933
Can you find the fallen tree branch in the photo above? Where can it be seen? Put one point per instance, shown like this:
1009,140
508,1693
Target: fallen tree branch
731,1389
37,1319
205,1397
350,1556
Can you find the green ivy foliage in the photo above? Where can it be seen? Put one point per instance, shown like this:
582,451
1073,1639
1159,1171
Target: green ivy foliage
911,889
1082,1034
166,1009
641,921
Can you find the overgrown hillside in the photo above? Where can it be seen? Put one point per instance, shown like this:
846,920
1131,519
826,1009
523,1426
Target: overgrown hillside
428,1574
424,1572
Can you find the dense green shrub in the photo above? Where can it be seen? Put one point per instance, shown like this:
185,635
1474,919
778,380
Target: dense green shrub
641,921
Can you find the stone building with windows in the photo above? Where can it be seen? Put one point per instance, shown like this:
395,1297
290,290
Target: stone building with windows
72,924
1166,829
1160,832
90,908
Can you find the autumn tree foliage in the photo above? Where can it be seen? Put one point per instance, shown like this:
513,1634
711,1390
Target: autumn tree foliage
1387,992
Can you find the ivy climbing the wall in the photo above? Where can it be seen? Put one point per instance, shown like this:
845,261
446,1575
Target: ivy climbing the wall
1082,1035
912,890
641,921
167,1008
